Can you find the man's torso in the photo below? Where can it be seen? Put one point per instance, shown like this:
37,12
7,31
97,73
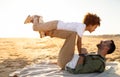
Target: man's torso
91,63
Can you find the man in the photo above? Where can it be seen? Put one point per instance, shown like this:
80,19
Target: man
86,63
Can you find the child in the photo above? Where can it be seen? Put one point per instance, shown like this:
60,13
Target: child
90,23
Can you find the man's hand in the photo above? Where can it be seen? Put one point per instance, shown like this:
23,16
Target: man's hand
84,51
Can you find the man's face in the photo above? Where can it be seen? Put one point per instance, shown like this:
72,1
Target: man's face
103,44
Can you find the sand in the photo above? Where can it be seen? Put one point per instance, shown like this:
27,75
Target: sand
16,53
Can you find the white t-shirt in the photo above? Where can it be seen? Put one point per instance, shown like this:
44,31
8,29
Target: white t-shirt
73,26
72,64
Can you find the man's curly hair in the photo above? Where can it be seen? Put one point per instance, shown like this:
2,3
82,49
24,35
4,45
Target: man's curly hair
91,19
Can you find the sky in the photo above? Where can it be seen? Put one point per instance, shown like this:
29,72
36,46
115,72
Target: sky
14,12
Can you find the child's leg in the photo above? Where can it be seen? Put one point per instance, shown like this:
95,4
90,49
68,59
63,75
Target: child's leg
47,26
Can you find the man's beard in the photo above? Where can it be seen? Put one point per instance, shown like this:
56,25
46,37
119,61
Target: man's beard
99,46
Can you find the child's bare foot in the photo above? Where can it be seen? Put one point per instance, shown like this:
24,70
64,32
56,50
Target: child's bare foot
28,19
38,18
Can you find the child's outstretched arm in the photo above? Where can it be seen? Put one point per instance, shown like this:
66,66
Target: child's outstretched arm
79,43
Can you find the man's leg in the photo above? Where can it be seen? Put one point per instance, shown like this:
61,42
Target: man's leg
67,51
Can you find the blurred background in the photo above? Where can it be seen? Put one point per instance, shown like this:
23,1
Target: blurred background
14,12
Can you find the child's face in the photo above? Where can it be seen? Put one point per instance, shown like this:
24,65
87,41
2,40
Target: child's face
92,28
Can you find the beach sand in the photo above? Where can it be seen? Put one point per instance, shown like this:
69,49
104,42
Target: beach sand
16,53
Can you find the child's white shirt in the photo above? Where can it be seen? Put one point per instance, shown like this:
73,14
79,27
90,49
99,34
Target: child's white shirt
72,26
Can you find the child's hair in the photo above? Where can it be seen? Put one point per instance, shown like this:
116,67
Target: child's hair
91,19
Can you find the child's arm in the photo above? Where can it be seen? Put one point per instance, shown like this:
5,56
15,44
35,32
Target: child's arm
79,43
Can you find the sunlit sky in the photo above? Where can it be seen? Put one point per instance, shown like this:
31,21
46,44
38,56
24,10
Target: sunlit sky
14,12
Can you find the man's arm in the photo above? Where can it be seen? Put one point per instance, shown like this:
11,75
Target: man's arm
79,43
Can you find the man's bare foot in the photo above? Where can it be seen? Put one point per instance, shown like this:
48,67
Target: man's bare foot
42,34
